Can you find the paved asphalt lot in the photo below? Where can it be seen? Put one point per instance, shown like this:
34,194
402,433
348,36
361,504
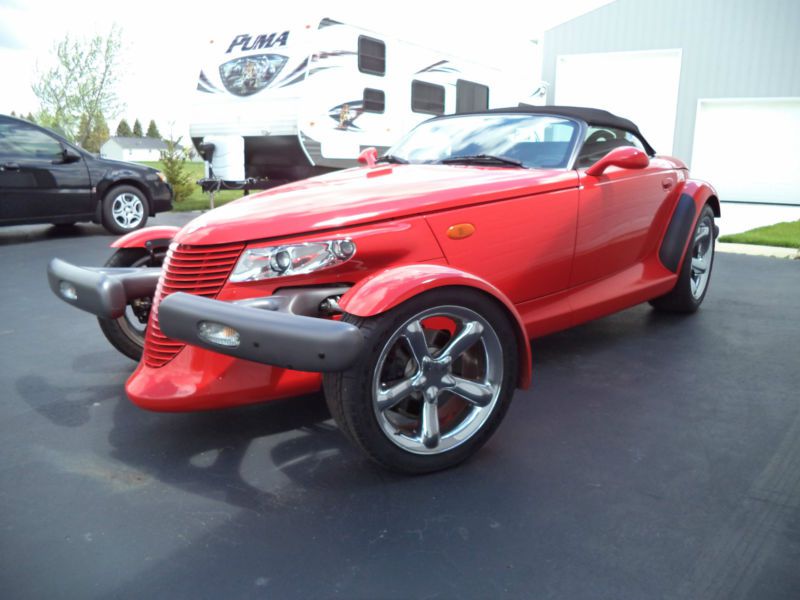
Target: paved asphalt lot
654,457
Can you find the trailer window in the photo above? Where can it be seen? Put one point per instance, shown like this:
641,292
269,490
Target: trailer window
371,56
427,98
374,100
471,97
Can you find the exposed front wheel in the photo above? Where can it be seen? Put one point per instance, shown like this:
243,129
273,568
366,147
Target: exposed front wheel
695,273
127,332
437,377
124,209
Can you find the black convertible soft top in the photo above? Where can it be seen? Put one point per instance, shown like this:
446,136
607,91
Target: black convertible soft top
592,116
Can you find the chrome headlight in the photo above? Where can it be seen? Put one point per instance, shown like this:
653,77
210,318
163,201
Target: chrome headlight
293,259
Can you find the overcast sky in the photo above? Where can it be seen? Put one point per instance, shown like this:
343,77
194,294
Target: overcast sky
161,38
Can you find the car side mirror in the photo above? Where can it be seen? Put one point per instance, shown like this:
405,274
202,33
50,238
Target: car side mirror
68,155
368,156
626,157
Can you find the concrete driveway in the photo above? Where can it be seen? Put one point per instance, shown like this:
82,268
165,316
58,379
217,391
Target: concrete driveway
654,457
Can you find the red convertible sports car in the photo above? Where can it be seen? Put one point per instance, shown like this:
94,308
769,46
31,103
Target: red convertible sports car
408,288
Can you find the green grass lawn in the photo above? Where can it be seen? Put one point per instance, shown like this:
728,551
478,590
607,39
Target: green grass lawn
198,200
786,235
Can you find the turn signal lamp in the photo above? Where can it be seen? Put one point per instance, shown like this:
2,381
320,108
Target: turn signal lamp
460,231
68,290
218,334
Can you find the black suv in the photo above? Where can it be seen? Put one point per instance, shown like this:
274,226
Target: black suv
45,179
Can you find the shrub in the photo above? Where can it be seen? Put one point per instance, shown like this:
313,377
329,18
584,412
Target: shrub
174,160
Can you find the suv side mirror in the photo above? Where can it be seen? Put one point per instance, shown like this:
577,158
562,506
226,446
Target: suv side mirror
368,157
68,155
626,157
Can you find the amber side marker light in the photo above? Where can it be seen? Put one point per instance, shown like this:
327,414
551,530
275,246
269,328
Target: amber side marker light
460,231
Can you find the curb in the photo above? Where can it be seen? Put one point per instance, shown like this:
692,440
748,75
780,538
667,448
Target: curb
753,250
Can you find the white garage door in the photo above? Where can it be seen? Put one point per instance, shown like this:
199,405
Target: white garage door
640,86
749,149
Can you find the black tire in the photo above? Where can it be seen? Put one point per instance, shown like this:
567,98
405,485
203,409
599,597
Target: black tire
685,297
123,333
352,394
125,209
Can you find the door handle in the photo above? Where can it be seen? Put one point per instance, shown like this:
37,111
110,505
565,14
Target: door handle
667,183
10,167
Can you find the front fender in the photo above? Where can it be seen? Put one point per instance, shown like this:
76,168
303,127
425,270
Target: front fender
158,237
393,286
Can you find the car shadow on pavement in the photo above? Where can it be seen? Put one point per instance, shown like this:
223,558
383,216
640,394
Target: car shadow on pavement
24,234
232,454
628,327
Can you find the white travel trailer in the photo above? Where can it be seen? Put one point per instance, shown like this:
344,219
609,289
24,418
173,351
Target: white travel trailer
283,104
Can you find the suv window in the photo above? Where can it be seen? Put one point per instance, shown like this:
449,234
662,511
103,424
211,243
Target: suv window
371,56
23,141
600,141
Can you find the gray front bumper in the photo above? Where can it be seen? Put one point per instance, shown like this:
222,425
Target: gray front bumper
104,292
269,334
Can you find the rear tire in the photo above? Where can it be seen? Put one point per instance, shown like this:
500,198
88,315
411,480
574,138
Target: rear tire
695,274
437,376
127,332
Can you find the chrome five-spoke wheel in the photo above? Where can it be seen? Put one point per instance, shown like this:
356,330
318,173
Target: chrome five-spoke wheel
702,255
434,387
436,378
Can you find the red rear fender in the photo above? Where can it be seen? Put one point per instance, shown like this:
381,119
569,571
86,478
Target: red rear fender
388,288
703,194
139,238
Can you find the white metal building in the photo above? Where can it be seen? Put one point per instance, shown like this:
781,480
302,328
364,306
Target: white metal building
713,82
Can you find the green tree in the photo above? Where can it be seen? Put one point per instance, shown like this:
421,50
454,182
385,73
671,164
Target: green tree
137,129
94,133
82,81
123,129
174,167
152,130
13,114
29,117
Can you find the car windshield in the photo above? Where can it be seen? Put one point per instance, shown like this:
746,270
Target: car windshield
504,140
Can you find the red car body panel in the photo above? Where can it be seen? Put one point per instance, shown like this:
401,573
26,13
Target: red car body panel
140,237
555,247
352,197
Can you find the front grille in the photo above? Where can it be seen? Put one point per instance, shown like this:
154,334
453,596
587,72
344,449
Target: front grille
198,270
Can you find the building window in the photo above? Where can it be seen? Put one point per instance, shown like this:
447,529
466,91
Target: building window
371,56
374,100
471,97
427,98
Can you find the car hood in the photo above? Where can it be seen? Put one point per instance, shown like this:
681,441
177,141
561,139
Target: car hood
120,165
363,195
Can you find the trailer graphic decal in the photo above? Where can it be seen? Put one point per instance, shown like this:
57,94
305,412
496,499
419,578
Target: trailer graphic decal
205,85
346,113
439,67
247,42
247,75
300,71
